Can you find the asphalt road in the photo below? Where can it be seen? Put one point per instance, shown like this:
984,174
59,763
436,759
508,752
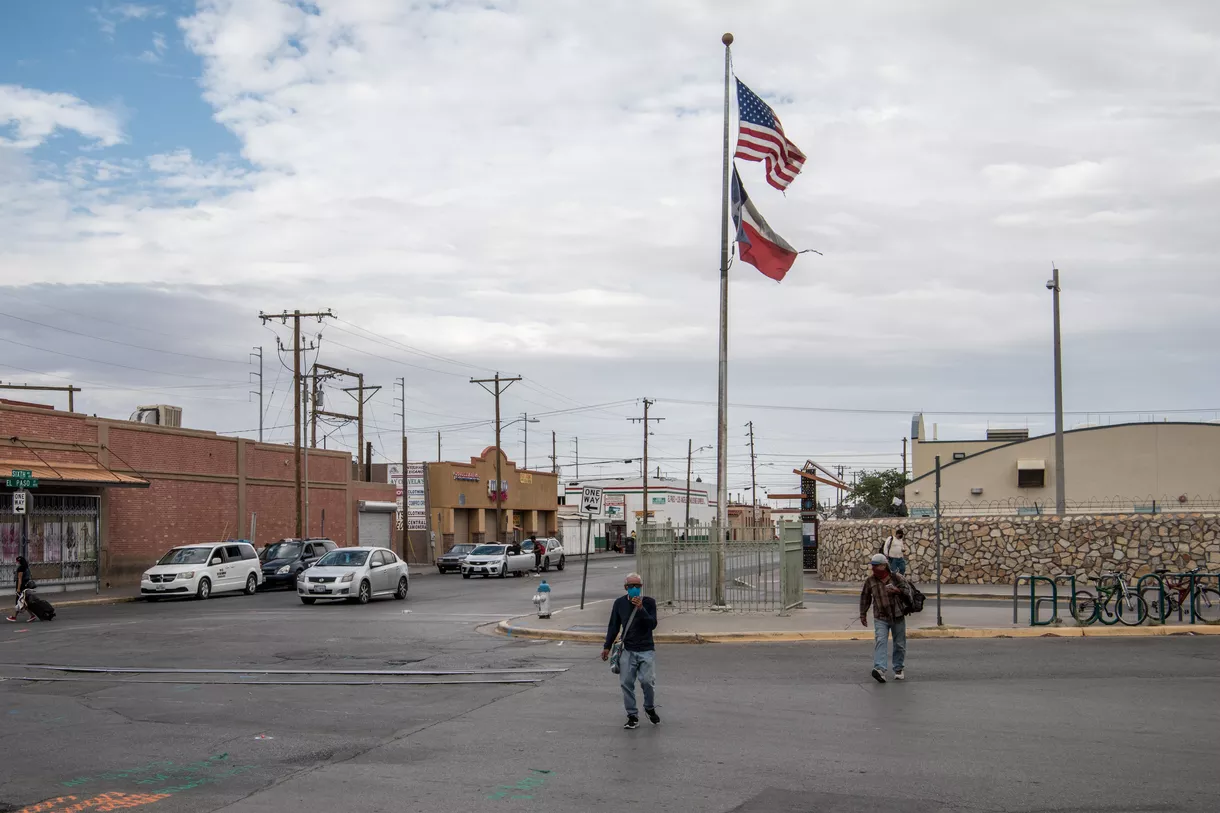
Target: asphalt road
1024,725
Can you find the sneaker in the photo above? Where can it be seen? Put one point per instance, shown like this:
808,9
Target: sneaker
877,676
899,674
652,715
12,618
632,723
31,619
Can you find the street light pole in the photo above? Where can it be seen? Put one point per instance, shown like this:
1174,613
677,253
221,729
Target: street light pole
1060,486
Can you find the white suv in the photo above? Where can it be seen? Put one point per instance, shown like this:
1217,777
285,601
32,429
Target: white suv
201,570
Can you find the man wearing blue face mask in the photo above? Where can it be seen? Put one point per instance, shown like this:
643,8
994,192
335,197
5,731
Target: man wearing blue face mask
636,615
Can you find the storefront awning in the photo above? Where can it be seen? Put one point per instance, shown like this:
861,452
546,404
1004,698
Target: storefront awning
1030,464
71,474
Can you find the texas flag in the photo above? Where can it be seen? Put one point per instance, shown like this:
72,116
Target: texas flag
760,246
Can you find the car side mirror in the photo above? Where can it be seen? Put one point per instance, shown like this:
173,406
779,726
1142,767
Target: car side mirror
216,561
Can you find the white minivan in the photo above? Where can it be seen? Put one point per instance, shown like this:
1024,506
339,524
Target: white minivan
201,570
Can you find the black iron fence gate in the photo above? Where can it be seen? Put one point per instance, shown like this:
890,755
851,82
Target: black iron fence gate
58,537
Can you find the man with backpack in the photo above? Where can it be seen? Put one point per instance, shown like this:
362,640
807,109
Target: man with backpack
894,549
634,655
891,597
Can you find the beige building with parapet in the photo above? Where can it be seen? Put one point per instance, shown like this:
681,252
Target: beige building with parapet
1122,468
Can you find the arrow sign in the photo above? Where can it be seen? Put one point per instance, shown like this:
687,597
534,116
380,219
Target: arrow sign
591,500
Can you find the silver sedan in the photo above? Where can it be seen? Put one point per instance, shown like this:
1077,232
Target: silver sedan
354,574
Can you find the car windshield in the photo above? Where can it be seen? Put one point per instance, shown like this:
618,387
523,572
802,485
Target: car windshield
344,558
459,550
487,550
186,556
281,550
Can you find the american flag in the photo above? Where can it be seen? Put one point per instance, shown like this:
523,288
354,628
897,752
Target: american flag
761,138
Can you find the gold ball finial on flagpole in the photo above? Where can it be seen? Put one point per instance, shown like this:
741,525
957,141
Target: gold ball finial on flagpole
727,39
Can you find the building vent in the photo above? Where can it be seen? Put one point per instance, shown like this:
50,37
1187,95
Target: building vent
1008,435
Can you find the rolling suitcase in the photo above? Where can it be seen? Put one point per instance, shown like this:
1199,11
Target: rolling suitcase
39,606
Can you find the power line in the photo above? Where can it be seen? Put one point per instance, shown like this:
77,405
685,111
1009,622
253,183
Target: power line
115,364
1021,414
123,344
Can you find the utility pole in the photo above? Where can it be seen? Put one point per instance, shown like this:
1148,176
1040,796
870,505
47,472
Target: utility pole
554,456
68,389
297,350
368,462
690,442
260,392
497,392
362,395
904,458
753,480
644,421
577,457
438,447
406,551
1060,489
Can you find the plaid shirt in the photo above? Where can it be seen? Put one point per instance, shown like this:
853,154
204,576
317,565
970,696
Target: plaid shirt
886,606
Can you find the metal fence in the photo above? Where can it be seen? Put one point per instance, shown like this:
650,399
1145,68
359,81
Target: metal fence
59,538
1023,506
751,570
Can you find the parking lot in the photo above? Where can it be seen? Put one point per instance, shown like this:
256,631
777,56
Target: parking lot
980,725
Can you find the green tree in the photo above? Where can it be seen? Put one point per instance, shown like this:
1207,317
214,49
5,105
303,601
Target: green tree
878,489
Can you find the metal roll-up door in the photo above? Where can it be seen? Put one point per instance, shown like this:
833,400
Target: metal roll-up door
375,523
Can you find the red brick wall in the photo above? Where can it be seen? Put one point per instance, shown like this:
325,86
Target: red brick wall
193,496
144,523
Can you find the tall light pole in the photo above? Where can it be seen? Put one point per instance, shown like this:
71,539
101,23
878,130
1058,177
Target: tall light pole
1060,491
689,455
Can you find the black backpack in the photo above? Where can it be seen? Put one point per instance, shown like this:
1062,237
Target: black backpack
39,606
915,603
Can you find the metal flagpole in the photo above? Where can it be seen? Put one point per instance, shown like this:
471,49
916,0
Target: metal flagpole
722,397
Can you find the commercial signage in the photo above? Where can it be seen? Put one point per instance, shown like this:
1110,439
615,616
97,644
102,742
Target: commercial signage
615,505
694,499
658,500
19,501
466,477
417,506
395,473
526,478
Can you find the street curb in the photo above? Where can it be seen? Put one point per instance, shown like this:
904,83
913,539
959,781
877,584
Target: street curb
96,602
848,591
507,628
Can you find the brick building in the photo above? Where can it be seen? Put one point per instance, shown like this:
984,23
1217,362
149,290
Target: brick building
113,495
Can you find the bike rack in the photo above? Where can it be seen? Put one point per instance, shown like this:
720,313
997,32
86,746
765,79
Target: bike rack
1139,591
1035,601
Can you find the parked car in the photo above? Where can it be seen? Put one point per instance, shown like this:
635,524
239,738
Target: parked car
354,574
283,560
201,570
496,560
554,552
453,558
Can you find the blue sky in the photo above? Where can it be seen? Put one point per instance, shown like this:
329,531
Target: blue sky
127,57
532,186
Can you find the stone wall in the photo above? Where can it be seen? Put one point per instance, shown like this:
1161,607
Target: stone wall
994,550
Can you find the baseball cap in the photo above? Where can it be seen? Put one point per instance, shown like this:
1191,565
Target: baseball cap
878,559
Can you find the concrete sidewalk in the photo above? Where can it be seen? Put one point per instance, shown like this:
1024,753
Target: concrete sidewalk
826,621
979,592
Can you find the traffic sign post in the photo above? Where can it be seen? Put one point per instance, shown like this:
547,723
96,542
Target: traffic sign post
591,499
20,500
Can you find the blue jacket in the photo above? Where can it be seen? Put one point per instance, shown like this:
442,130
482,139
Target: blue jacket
639,637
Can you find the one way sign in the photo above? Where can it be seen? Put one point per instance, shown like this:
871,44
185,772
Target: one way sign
591,500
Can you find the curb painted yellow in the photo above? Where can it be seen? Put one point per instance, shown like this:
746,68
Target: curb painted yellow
506,627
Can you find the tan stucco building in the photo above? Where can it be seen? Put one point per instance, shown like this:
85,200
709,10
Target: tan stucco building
1140,467
462,501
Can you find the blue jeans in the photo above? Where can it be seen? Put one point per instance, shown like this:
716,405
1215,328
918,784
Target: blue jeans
898,566
637,666
881,634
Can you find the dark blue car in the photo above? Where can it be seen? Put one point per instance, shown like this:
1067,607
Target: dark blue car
283,560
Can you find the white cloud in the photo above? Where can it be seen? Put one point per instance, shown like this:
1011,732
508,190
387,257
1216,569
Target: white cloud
109,16
34,116
158,50
536,181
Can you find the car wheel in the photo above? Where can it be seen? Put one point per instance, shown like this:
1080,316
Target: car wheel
364,594
251,584
204,590
503,572
441,570
465,575
546,563
307,600
561,564
401,592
